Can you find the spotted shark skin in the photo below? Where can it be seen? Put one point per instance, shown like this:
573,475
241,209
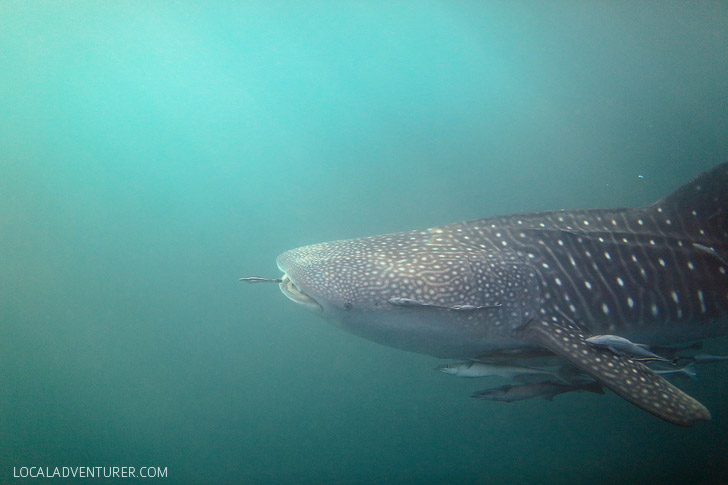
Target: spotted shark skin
655,275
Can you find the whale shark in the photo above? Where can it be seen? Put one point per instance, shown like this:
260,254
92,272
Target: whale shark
541,282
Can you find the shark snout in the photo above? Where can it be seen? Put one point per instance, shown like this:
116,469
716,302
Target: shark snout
292,290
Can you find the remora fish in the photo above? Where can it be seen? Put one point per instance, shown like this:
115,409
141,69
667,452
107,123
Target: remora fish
688,370
708,359
655,275
487,369
622,346
546,390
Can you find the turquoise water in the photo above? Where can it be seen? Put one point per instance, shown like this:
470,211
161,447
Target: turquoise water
151,153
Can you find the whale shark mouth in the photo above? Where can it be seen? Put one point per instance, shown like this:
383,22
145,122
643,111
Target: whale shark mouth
293,292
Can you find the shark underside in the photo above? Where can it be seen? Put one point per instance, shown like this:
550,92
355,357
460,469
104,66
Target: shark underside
545,282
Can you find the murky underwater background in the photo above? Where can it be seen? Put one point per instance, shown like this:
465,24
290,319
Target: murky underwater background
151,153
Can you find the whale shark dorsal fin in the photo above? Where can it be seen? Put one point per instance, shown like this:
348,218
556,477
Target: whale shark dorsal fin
629,379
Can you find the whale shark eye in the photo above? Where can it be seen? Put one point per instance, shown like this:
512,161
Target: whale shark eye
347,306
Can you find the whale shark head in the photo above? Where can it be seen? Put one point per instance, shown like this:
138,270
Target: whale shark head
413,290
330,279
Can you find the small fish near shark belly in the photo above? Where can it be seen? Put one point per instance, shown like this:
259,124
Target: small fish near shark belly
551,280
546,390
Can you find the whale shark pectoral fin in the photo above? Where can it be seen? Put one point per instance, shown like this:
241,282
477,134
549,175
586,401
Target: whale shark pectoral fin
629,379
